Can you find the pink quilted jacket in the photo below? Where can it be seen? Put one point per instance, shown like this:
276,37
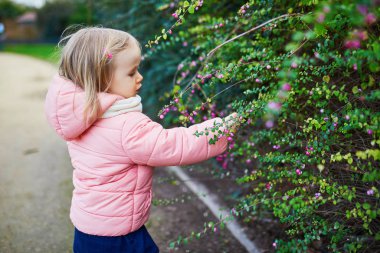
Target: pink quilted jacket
113,158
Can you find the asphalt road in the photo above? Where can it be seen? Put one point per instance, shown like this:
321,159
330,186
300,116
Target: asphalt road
35,168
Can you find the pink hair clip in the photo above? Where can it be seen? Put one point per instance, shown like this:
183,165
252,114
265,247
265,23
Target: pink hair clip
108,55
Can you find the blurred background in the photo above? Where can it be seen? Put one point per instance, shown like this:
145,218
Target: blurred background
33,27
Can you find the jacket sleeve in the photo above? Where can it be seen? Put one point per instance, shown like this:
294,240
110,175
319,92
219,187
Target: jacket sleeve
147,142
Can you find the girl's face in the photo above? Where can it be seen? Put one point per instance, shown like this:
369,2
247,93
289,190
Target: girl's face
126,80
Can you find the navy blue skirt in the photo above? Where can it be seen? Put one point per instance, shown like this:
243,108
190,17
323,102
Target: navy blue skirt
138,241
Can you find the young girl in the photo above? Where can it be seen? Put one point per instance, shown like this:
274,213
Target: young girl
93,104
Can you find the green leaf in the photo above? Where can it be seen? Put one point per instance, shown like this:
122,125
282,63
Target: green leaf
165,36
326,79
376,50
185,4
191,9
366,206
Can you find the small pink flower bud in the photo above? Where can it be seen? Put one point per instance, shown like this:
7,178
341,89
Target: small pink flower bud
286,87
161,116
362,9
370,18
321,18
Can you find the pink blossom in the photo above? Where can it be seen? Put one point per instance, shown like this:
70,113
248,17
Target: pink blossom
355,67
317,195
370,192
269,124
321,18
276,146
175,15
362,9
369,131
326,9
229,138
307,153
161,116
268,186
193,63
184,44
370,18
258,80
347,117
362,35
176,100
286,87
180,66
268,66
274,106
352,44
298,171
248,161
170,31
294,65
221,24
274,245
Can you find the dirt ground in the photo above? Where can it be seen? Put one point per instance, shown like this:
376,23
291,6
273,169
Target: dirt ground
35,178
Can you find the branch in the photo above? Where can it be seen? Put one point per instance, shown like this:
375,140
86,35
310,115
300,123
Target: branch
251,30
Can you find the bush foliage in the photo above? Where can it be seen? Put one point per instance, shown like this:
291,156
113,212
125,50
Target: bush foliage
304,79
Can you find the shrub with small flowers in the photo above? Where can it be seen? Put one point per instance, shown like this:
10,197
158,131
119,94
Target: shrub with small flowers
304,78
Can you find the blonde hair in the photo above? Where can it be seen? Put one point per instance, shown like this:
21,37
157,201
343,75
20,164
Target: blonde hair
86,60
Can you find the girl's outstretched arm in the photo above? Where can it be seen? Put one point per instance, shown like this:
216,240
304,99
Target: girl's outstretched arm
147,142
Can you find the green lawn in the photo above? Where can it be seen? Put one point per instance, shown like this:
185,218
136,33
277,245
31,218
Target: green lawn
46,52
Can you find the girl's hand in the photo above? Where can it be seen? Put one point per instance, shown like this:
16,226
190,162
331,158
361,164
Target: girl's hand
232,121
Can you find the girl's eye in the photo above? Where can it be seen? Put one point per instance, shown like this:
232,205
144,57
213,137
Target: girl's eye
132,74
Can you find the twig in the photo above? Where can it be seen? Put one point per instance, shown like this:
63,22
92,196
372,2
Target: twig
251,30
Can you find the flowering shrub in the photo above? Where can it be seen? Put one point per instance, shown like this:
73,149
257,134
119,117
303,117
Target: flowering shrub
304,79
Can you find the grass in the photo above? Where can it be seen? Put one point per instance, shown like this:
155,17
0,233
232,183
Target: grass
47,52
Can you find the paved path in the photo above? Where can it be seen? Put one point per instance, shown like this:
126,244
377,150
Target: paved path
35,169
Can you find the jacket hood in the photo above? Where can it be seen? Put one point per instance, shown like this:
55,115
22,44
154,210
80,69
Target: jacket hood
64,106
